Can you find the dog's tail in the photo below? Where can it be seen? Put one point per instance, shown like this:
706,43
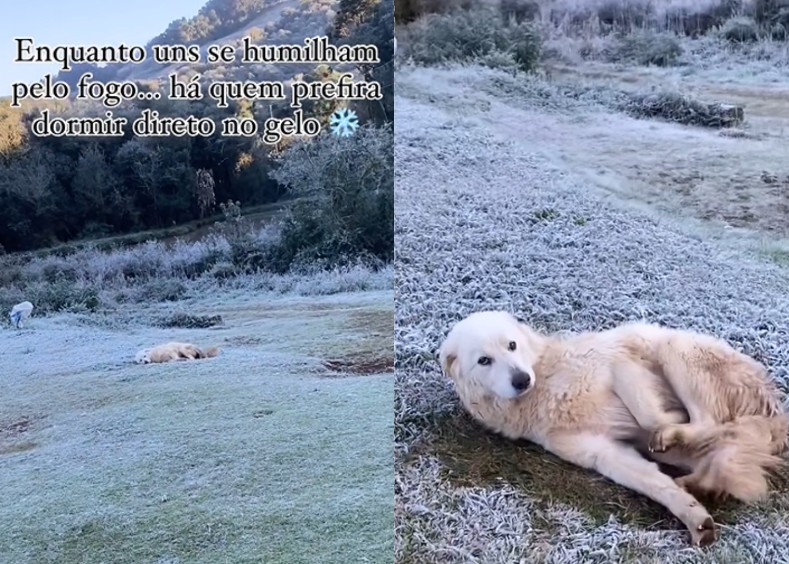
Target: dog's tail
739,456
209,352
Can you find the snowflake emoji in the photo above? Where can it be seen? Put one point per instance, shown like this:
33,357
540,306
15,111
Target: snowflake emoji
344,122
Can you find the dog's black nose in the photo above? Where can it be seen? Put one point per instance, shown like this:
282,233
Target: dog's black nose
520,380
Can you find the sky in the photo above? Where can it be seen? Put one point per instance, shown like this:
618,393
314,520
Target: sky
80,22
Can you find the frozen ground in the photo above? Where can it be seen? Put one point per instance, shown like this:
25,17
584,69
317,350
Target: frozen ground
730,179
497,208
258,455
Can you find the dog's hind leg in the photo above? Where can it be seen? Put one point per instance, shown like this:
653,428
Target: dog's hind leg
731,458
765,433
643,393
625,466
716,383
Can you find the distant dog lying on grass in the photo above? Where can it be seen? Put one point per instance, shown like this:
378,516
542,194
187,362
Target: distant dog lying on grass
618,401
174,351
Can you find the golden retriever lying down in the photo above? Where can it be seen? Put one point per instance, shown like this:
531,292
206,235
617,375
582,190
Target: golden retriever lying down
617,401
174,351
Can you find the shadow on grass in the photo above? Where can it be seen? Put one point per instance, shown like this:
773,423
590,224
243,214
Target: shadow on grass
13,448
472,456
359,366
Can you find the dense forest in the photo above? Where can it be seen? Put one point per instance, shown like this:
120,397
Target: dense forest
60,189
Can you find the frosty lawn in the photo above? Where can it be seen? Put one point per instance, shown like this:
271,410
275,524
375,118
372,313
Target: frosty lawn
259,455
498,209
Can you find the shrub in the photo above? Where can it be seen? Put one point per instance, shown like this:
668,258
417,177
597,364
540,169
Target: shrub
524,46
779,32
519,10
647,48
499,60
224,271
464,36
472,36
771,12
59,269
702,18
677,108
621,15
188,321
349,206
10,296
62,295
161,290
191,260
144,261
248,249
409,10
740,30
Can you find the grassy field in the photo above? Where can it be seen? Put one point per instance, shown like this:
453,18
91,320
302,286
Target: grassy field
278,450
532,194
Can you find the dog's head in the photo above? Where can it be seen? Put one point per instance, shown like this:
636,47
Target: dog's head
143,357
491,350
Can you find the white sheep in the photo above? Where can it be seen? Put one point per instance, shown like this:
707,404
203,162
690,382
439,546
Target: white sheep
20,312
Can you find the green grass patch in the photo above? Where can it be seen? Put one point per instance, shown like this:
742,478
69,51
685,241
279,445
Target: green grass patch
474,457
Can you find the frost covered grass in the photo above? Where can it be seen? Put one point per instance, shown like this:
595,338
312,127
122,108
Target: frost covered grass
494,212
257,455
277,450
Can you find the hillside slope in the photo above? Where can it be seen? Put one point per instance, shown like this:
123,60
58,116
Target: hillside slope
284,22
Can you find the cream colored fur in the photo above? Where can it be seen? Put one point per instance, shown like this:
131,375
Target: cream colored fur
617,401
174,351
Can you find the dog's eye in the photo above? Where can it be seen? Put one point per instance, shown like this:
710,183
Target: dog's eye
513,345
484,360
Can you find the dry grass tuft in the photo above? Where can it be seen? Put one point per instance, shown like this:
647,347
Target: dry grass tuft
356,366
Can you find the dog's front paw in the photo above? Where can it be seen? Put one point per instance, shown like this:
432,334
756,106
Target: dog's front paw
704,534
664,438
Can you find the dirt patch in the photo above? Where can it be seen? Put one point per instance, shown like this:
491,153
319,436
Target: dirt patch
244,341
359,366
15,428
12,434
369,335
278,310
757,201
474,457
377,320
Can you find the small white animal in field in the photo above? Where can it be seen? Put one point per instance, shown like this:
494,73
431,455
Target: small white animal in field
19,313
174,351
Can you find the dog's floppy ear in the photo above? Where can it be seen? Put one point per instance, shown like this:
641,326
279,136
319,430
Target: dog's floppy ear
448,359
